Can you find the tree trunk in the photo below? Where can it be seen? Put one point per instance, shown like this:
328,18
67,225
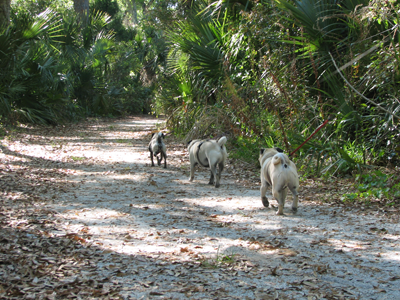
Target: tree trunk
133,10
5,6
82,8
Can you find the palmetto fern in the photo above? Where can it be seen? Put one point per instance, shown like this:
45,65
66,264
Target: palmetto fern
48,60
26,64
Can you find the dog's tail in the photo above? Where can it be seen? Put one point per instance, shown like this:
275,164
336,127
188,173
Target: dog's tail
222,141
276,159
280,159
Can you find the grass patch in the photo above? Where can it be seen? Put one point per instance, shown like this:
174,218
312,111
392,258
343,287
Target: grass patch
219,261
375,186
77,158
122,141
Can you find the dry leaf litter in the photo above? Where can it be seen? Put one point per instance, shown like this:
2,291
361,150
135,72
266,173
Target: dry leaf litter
84,216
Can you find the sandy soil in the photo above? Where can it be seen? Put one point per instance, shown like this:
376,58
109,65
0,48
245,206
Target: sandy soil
152,234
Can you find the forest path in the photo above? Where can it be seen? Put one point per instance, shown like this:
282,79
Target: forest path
83,204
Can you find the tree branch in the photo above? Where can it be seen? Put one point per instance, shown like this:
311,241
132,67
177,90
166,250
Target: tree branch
358,93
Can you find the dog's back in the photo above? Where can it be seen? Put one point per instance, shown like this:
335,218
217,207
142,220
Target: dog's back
278,171
156,144
283,168
208,153
218,151
160,137
267,154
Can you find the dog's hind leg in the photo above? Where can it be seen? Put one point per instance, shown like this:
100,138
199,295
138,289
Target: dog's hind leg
163,154
217,175
214,176
192,165
211,181
220,169
280,196
263,191
151,156
295,198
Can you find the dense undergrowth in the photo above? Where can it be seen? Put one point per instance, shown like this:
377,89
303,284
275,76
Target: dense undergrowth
265,73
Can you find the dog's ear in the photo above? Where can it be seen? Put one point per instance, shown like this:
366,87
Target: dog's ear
279,149
153,134
187,144
262,151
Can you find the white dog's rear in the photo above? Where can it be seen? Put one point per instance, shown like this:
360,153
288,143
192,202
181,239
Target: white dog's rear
208,153
278,171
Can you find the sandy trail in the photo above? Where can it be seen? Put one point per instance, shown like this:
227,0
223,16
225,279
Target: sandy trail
155,235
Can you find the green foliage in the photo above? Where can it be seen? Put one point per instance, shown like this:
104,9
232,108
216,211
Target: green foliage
2,128
199,44
376,186
248,148
54,69
282,84
77,158
112,8
221,260
27,62
265,72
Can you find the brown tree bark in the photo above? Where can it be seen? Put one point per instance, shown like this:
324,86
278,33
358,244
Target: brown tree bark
5,7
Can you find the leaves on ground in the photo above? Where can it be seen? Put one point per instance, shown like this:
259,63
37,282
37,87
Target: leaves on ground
83,215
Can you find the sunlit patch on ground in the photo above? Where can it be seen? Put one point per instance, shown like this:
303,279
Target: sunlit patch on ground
82,208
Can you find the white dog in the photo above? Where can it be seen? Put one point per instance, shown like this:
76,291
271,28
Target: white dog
157,146
278,171
208,153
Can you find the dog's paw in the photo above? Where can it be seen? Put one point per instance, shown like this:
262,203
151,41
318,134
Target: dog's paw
265,201
280,211
294,210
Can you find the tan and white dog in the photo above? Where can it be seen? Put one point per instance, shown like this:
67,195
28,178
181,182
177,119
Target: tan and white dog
157,146
278,171
208,153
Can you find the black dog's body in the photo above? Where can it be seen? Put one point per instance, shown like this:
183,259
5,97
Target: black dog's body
157,146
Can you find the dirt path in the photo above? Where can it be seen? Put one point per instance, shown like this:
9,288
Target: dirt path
85,216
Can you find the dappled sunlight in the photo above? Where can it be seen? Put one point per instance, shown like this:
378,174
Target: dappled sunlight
97,190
